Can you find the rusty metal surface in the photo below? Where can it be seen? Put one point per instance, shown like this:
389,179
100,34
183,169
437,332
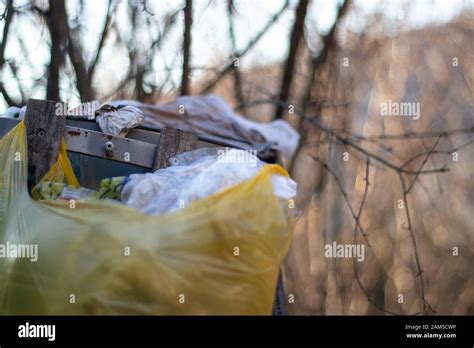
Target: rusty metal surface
148,135
114,148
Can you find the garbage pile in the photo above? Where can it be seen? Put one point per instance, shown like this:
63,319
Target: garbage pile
194,175
206,235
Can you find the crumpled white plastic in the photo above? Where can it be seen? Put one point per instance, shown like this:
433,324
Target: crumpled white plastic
210,114
15,112
195,175
277,132
118,121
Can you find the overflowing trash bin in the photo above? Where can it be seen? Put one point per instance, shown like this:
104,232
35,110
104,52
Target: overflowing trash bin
206,235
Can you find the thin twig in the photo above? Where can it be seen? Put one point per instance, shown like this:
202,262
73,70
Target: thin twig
346,198
425,304
228,66
423,163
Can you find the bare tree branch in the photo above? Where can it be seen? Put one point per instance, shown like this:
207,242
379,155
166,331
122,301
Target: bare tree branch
423,163
188,22
425,305
56,19
103,36
329,44
346,198
357,219
7,16
295,40
228,66
77,59
239,95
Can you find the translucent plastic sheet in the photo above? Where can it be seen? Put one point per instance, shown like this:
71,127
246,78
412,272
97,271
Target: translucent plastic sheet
219,255
211,115
195,175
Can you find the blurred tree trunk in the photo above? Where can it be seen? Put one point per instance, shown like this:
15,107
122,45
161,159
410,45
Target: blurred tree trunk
317,62
84,73
229,66
329,45
56,19
188,21
296,36
83,83
238,91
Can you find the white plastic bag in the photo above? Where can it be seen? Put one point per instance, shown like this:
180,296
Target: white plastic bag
195,175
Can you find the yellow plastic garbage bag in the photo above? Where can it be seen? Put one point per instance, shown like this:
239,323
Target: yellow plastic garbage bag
220,255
